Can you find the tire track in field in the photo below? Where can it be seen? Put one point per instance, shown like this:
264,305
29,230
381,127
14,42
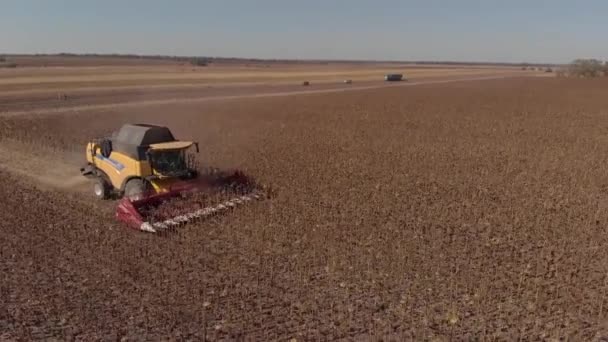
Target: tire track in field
51,170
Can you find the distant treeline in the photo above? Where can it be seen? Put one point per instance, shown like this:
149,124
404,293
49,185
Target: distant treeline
6,64
204,60
587,68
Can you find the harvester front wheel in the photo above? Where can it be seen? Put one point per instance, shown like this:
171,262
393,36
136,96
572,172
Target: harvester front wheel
101,188
135,188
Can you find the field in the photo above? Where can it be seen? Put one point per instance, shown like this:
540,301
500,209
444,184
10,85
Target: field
39,88
460,210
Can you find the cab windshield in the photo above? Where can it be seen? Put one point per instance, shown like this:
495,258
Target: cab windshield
169,163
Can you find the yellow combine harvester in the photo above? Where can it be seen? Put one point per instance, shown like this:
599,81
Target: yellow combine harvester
147,166
137,160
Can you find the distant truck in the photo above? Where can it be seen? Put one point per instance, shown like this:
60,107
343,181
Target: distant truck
393,77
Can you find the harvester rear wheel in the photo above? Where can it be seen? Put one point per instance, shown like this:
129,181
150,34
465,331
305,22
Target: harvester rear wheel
101,188
135,188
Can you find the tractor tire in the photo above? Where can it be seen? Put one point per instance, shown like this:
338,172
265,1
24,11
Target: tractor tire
101,188
106,148
135,189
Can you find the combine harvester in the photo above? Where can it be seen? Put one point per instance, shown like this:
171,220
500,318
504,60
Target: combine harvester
155,176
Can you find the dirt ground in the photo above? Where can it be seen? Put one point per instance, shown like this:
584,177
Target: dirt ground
447,211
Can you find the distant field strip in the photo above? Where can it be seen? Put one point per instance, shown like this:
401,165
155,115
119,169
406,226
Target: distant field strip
27,82
131,104
92,86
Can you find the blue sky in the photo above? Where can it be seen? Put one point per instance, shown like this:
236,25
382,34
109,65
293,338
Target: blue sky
460,30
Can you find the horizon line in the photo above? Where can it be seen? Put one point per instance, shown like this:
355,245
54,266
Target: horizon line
257,59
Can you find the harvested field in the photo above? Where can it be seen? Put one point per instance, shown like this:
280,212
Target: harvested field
464,211
39,88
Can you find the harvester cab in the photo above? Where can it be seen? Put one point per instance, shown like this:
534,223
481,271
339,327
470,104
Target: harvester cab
146,166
